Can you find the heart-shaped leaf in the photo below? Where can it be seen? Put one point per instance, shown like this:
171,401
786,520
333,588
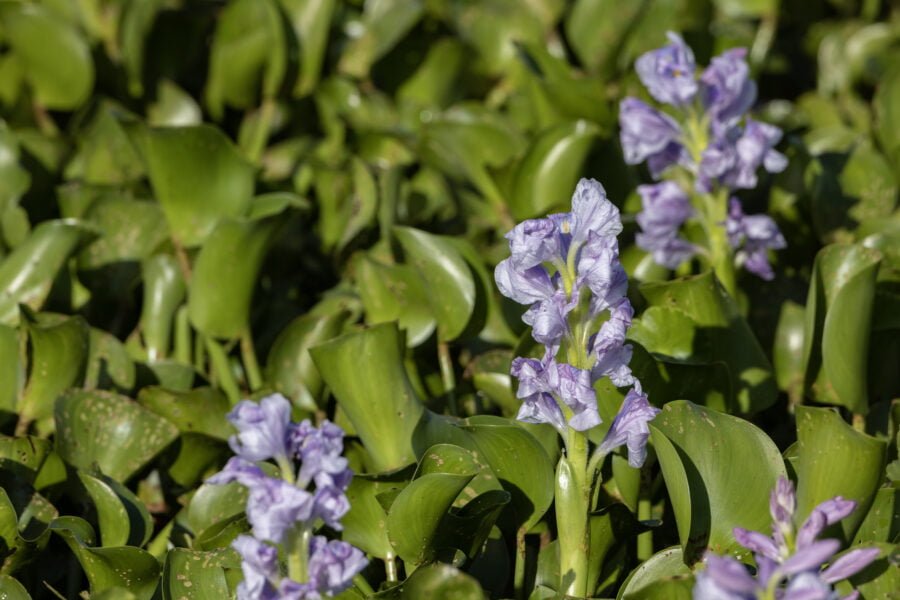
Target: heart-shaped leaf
365,372
395,293
109,430
714,491
123,518
836,460
838,313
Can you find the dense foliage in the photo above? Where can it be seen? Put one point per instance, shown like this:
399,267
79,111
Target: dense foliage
210,201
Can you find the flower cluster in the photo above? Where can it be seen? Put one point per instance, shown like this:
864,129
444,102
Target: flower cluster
789,564
285,511
566,268
711,139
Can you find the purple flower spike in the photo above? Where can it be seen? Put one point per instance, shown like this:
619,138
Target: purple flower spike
262,428
665,208
630,427
668,72
275,507
576,391
727,90
608,347
320,452
648,134
333,565
259,564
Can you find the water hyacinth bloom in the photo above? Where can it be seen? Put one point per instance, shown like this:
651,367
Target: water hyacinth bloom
726,88
649,135
791,559
752,236
668,72
665,208
630,427
286,510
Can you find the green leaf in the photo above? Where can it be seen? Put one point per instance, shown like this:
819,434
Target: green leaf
108,365
289,367
105,154
441,582
14,179
198,178
109,430
597,30
787,354
882,522
23,456
228,265
838,313
135,24
494,27
549,171
24,519
742,9
887,113
441,267
11,589
311,21
164,291
11,373
836,460
730,339
27,274
416,514
58,351
212,504
366,374
395,293
669,332
126,567
200,410
719,472
383,24
434,84
195,575
56,61
174,107
365,524
130,230
665,565
520,464
248,57
123,518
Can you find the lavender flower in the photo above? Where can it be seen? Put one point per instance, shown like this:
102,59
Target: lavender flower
287,510
752,236
665,208
668,72
650,135
727,90
630,427
792,556
262,428
544,384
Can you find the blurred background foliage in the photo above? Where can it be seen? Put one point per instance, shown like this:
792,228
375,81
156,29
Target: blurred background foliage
195,193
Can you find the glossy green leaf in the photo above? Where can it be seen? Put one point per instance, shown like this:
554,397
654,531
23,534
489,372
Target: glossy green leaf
27,274
198,178
668,564
787,355
887,113
435,81
200,410
416,514
126,567
11,589
882,522
441,582
311,20
730,339
164,291
365,524
228,265
56,60
23,456
58,350
289,367
520,463
130,230
383,25
113,431
108,363
135,24
248,57
441,268
836,460
24,518
195,575
174,107
123,518
105,154
395,293
14,180
714,491
365,372
212,504
11,375
670,332
597,29
838,311
494,27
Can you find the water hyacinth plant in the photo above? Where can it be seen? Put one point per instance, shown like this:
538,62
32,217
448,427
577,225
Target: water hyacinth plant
789,563
703,152
284,512
566,269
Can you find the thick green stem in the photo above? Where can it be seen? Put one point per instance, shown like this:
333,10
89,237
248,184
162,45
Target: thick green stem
298,555
519,574
182,336
447,376
222,370
644,540
251,364
721,255
261,131
572,515
390,568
